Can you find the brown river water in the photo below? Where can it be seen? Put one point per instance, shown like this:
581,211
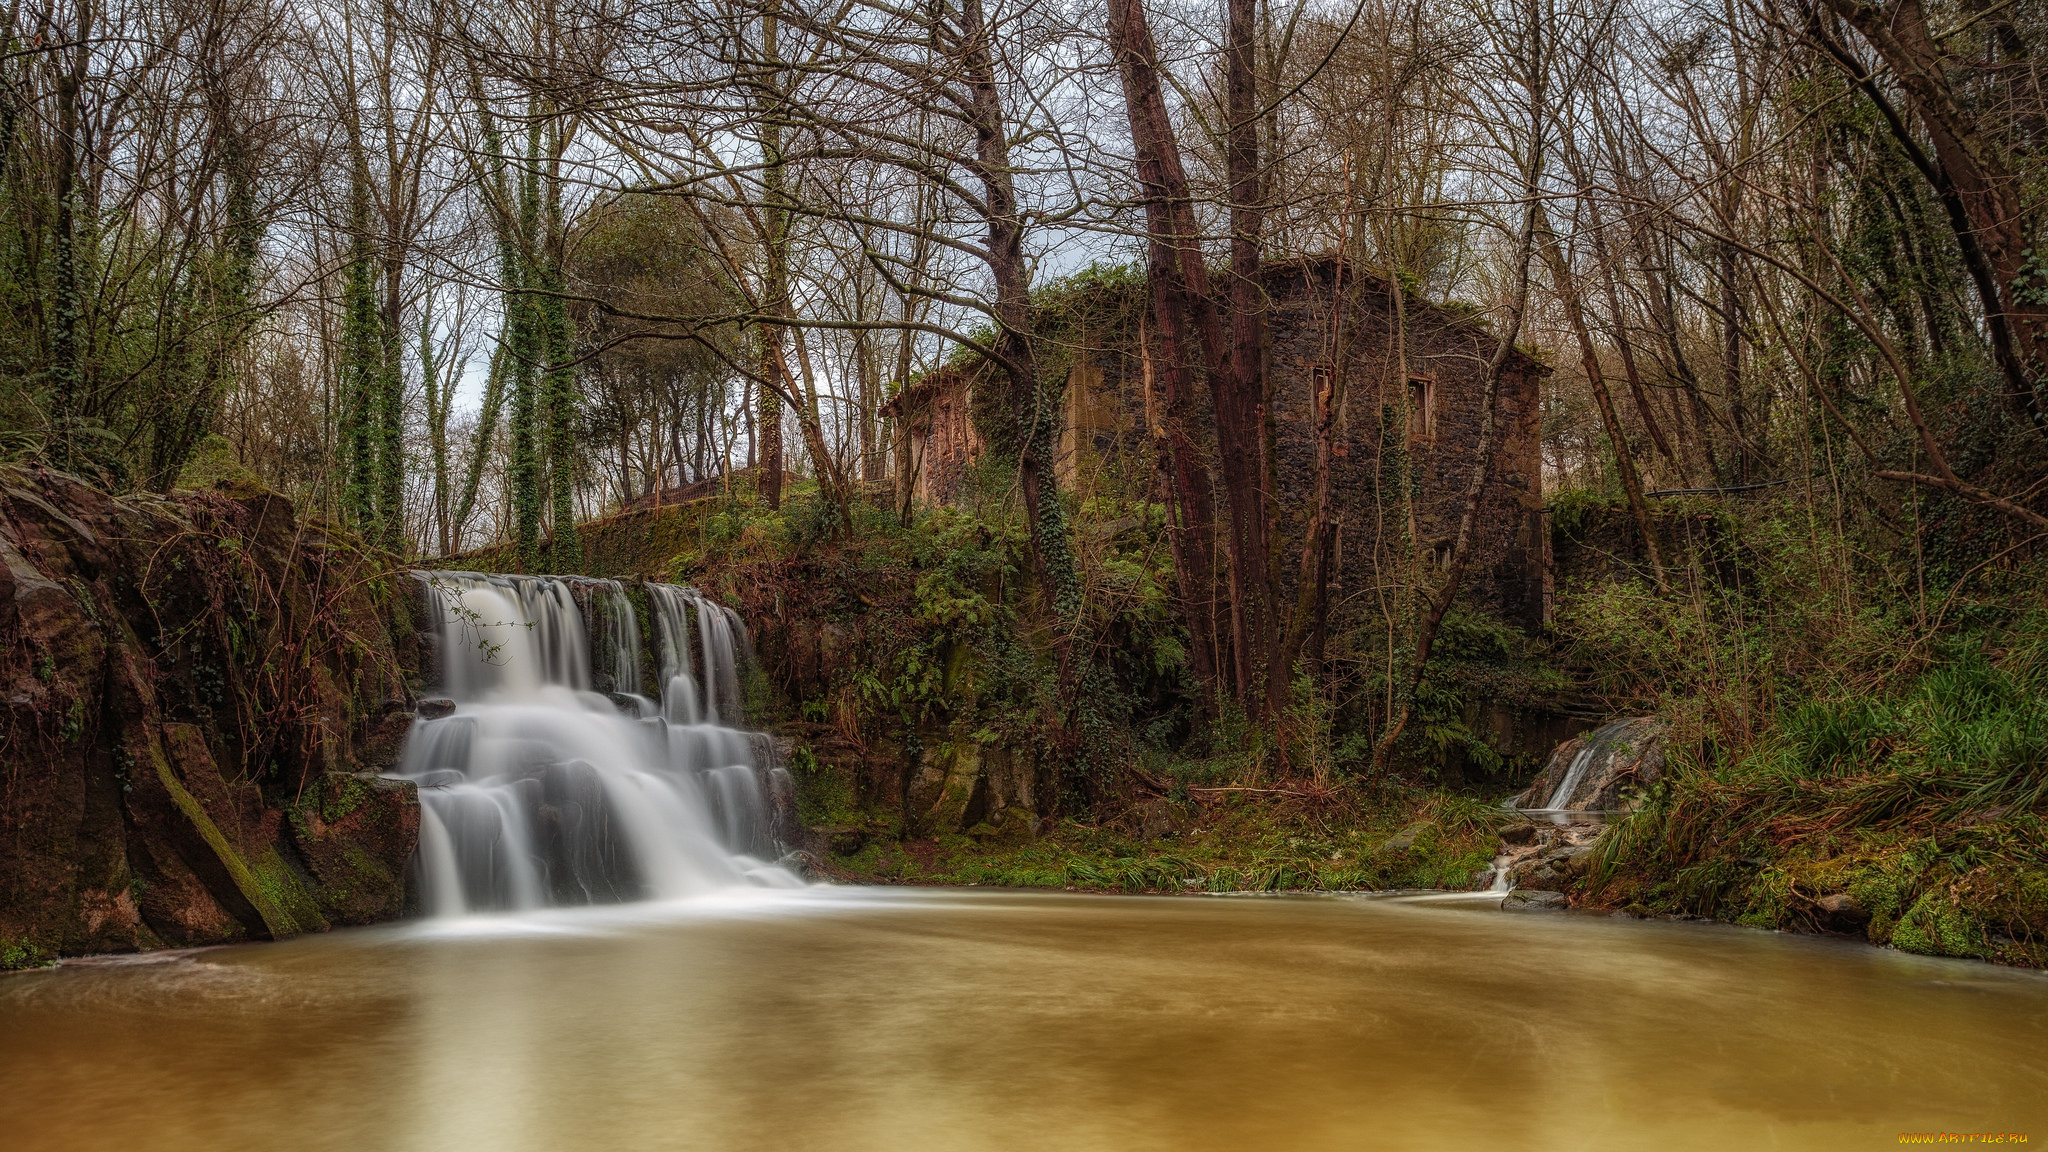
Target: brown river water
851,1019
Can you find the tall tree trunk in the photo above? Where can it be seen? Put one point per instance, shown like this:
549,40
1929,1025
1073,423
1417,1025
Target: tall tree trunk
1187,469
1248,460
527,351
1568,296
437,424
1732,385
565,547
361,368
1176,243
67,368
775,291
1036,413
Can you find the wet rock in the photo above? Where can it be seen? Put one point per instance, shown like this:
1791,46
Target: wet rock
1843,911
1405,839
838,840
437,707
1570,859
1540,877
1598,772
1524,901
1523,833
356,832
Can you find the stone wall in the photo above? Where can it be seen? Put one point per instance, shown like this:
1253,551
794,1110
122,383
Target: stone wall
195,694
1325,322
1447,356
937,443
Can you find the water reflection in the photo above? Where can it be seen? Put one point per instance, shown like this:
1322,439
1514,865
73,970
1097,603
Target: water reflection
859,1019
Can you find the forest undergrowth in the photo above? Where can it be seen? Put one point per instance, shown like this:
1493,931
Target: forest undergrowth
1859,736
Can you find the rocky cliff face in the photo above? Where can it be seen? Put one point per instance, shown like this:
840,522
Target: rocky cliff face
195,693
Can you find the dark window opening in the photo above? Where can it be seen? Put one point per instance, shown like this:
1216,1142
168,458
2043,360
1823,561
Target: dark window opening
1421,408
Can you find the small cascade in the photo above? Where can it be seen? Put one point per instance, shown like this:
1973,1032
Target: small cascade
1586,779
616,637
1561,796
1503,872
553,780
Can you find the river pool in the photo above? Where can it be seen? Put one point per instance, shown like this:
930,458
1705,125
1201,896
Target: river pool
845,1019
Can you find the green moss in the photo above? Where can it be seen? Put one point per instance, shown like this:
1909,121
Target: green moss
274,912
19,952
282,887
340,795
1938,925
214,464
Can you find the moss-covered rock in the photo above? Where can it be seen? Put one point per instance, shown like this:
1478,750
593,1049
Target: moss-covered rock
1938,925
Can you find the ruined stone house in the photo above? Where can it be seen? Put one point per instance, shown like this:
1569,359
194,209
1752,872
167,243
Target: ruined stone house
1403,443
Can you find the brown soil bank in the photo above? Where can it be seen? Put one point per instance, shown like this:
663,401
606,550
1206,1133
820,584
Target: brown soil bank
194,692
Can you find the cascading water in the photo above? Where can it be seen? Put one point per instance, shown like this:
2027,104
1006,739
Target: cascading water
1596,746
538,790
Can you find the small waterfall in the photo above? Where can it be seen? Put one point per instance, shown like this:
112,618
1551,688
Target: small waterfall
617,636
1503,867
722,639
537,790
1594,748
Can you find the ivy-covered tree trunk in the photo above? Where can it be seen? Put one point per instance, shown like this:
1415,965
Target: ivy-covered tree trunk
437,399
565,547
390,422
67,372
1036,414
526,350
1243,432
775,291
361,368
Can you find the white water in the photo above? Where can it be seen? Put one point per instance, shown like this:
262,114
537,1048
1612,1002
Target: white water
539,791
1503,864
1595,745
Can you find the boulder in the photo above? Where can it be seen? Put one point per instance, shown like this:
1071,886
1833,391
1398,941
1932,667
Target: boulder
1158,819
1405,839
1525,901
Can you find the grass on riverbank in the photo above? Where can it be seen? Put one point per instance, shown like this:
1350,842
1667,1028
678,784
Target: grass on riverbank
1347,838
1921,803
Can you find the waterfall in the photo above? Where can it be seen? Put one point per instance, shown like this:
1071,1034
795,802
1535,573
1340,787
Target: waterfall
537,790
723,639
617,637
1595,746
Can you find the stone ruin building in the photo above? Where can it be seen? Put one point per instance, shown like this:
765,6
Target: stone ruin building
1324,317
